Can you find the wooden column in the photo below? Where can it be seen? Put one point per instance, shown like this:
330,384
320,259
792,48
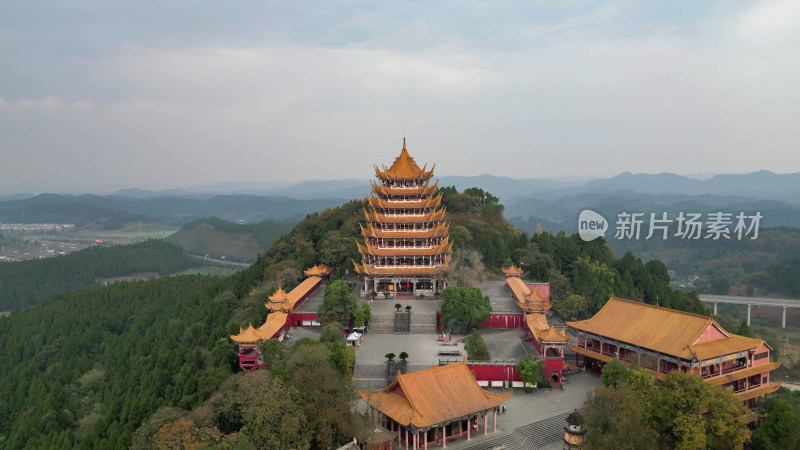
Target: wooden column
469,426
426,439
444,436
495,423
406,438
485,424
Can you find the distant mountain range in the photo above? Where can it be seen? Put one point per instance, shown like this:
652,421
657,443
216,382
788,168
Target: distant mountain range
554,203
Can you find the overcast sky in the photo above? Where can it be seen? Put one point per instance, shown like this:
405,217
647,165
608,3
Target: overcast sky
153,94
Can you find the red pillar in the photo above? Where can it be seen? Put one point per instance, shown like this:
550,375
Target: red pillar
485,424
469,427
406,438
426,439
495,422
444,436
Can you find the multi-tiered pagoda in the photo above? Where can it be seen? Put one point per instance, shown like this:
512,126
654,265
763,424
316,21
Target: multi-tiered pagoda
406,246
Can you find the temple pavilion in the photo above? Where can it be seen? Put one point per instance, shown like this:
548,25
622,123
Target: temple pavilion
549,342
663,340
406,245
281,305
530,297
435,405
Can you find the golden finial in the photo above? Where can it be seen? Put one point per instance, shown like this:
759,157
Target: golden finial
404,143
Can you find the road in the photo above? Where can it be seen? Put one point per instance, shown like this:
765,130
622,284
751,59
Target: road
758,301
221,261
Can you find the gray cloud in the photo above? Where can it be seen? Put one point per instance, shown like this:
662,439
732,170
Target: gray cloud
157,96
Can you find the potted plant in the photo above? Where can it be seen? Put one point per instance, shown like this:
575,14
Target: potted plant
390,356
408,308
397,306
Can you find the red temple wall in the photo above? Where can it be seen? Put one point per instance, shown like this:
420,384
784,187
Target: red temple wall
504,321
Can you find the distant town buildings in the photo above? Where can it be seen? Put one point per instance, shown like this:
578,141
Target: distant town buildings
36,228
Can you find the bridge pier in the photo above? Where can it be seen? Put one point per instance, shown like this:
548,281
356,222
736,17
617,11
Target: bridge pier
715,308
748,314
783,318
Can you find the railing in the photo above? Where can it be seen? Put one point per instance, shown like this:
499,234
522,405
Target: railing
497,362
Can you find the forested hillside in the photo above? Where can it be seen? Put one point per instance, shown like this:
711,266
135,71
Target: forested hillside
23,283
87,368
239,242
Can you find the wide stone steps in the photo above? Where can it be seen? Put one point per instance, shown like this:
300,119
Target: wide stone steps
423,328
528,437
381,324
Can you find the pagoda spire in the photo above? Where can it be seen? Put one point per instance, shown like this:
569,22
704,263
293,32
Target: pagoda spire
404,143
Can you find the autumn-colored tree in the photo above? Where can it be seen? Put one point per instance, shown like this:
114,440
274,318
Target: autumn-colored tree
180,434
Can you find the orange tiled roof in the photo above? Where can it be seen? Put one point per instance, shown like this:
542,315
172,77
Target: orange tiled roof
279,296
404,168
430,202
533,300
513,271
432,216
368,269
318,270
437,231
757,392
743,373
275,321
424,190
542,331
433,396
664,330
444,247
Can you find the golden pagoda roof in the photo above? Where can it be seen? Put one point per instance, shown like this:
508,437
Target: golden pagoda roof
542,331
432,216
280,296
444,247
275,321
439,230
664,330
318,270
512,271
424,190
433,396
429,202
368,269
404,168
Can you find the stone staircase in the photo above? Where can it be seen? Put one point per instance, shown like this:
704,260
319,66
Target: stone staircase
532,436
423,324
381,324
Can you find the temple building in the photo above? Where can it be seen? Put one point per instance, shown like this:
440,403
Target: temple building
663,340
549,342
406,242
280,304
530,297
435,405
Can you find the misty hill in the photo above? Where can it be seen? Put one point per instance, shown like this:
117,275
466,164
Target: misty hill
238,242
114,211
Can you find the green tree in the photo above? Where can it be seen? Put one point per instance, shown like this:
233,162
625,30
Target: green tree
574,307
593,280
272,353
403,356
464,309
333,332
614,373
277,420
616,420
530,371
780,428
338,304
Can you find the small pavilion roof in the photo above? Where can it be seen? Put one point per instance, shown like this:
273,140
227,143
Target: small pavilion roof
404,168
275,321
664,330
534,297
542,331
433,396
318,270
279,296
512,271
